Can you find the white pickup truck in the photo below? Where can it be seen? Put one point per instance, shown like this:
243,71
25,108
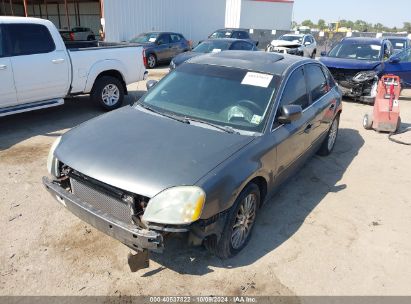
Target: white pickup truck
38,71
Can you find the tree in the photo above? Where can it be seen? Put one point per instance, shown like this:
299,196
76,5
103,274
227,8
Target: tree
308,23
378,27
407,27
321,24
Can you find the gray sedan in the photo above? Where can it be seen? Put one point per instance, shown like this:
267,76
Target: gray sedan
200,152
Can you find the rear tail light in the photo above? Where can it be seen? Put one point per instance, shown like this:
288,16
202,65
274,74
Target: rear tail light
144,58
72,36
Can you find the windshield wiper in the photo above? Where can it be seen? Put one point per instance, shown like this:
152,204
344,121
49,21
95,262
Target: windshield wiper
226,129
175,117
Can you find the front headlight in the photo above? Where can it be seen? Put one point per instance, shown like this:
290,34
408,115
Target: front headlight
365,76
52,161
176,206
172,65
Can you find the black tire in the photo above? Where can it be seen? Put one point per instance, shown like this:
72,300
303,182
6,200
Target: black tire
105,83
151,61
367,122
91,38
314,54
224,247
332,135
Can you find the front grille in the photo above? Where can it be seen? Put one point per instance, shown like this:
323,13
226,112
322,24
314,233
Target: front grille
344,76
101,201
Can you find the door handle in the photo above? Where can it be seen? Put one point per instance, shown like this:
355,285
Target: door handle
3,66
308,128
332,106
57,61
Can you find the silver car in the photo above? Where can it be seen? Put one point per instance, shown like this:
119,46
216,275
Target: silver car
200,152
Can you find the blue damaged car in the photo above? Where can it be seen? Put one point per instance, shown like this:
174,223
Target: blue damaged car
357,63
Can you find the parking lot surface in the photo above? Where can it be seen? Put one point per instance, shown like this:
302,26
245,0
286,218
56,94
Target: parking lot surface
340,227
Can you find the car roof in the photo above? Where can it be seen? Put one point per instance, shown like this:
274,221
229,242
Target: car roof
227,39
270,63
396,37
231,29
296,35
364,39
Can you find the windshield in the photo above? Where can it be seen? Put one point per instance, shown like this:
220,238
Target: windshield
221,34
360,51
291,38
398,44
212,46
145,38
226,97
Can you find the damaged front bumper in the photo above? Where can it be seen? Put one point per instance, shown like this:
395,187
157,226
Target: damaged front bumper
131,235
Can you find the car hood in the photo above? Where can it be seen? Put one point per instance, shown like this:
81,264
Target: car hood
349,64
145,153
183,57
285,43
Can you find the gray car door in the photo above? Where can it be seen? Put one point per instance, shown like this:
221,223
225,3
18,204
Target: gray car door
323,103
163,48
292,139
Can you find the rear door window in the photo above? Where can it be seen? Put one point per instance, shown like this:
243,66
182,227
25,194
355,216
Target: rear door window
175,38
317,82
164,39
295,91
29,39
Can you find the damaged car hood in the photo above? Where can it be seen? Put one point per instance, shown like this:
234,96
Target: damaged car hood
144,153
285,43
349,64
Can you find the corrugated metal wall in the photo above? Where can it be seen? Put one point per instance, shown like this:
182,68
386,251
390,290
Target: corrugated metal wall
195,19
233,13
269,15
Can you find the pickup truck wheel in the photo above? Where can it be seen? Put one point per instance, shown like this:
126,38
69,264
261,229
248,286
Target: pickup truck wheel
151,61
239,224
329,142
108,92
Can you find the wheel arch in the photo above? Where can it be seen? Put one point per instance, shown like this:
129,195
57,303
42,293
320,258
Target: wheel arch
113,68
115,74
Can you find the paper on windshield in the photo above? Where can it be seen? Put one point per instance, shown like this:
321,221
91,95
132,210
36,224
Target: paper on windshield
257,79
376,47
399,44
152,39
256,120
228,34
216,51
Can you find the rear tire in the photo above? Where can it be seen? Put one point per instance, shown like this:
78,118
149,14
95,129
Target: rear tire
151,61
238,226
108,92
329,142
314,54
367,122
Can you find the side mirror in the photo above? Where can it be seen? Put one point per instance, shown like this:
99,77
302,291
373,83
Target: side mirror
323,53
151,83
290,113
394,59
159,42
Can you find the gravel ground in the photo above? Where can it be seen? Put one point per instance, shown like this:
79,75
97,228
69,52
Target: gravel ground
341,226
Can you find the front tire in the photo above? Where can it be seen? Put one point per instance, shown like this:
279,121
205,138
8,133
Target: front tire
108,92
329,142
238,226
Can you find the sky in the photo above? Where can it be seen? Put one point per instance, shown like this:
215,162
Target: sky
371,11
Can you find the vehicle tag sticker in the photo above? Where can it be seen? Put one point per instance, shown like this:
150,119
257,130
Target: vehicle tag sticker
256,119
216,51
257,79
152,39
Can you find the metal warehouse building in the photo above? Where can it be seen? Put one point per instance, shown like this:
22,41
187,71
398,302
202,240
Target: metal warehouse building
123,19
